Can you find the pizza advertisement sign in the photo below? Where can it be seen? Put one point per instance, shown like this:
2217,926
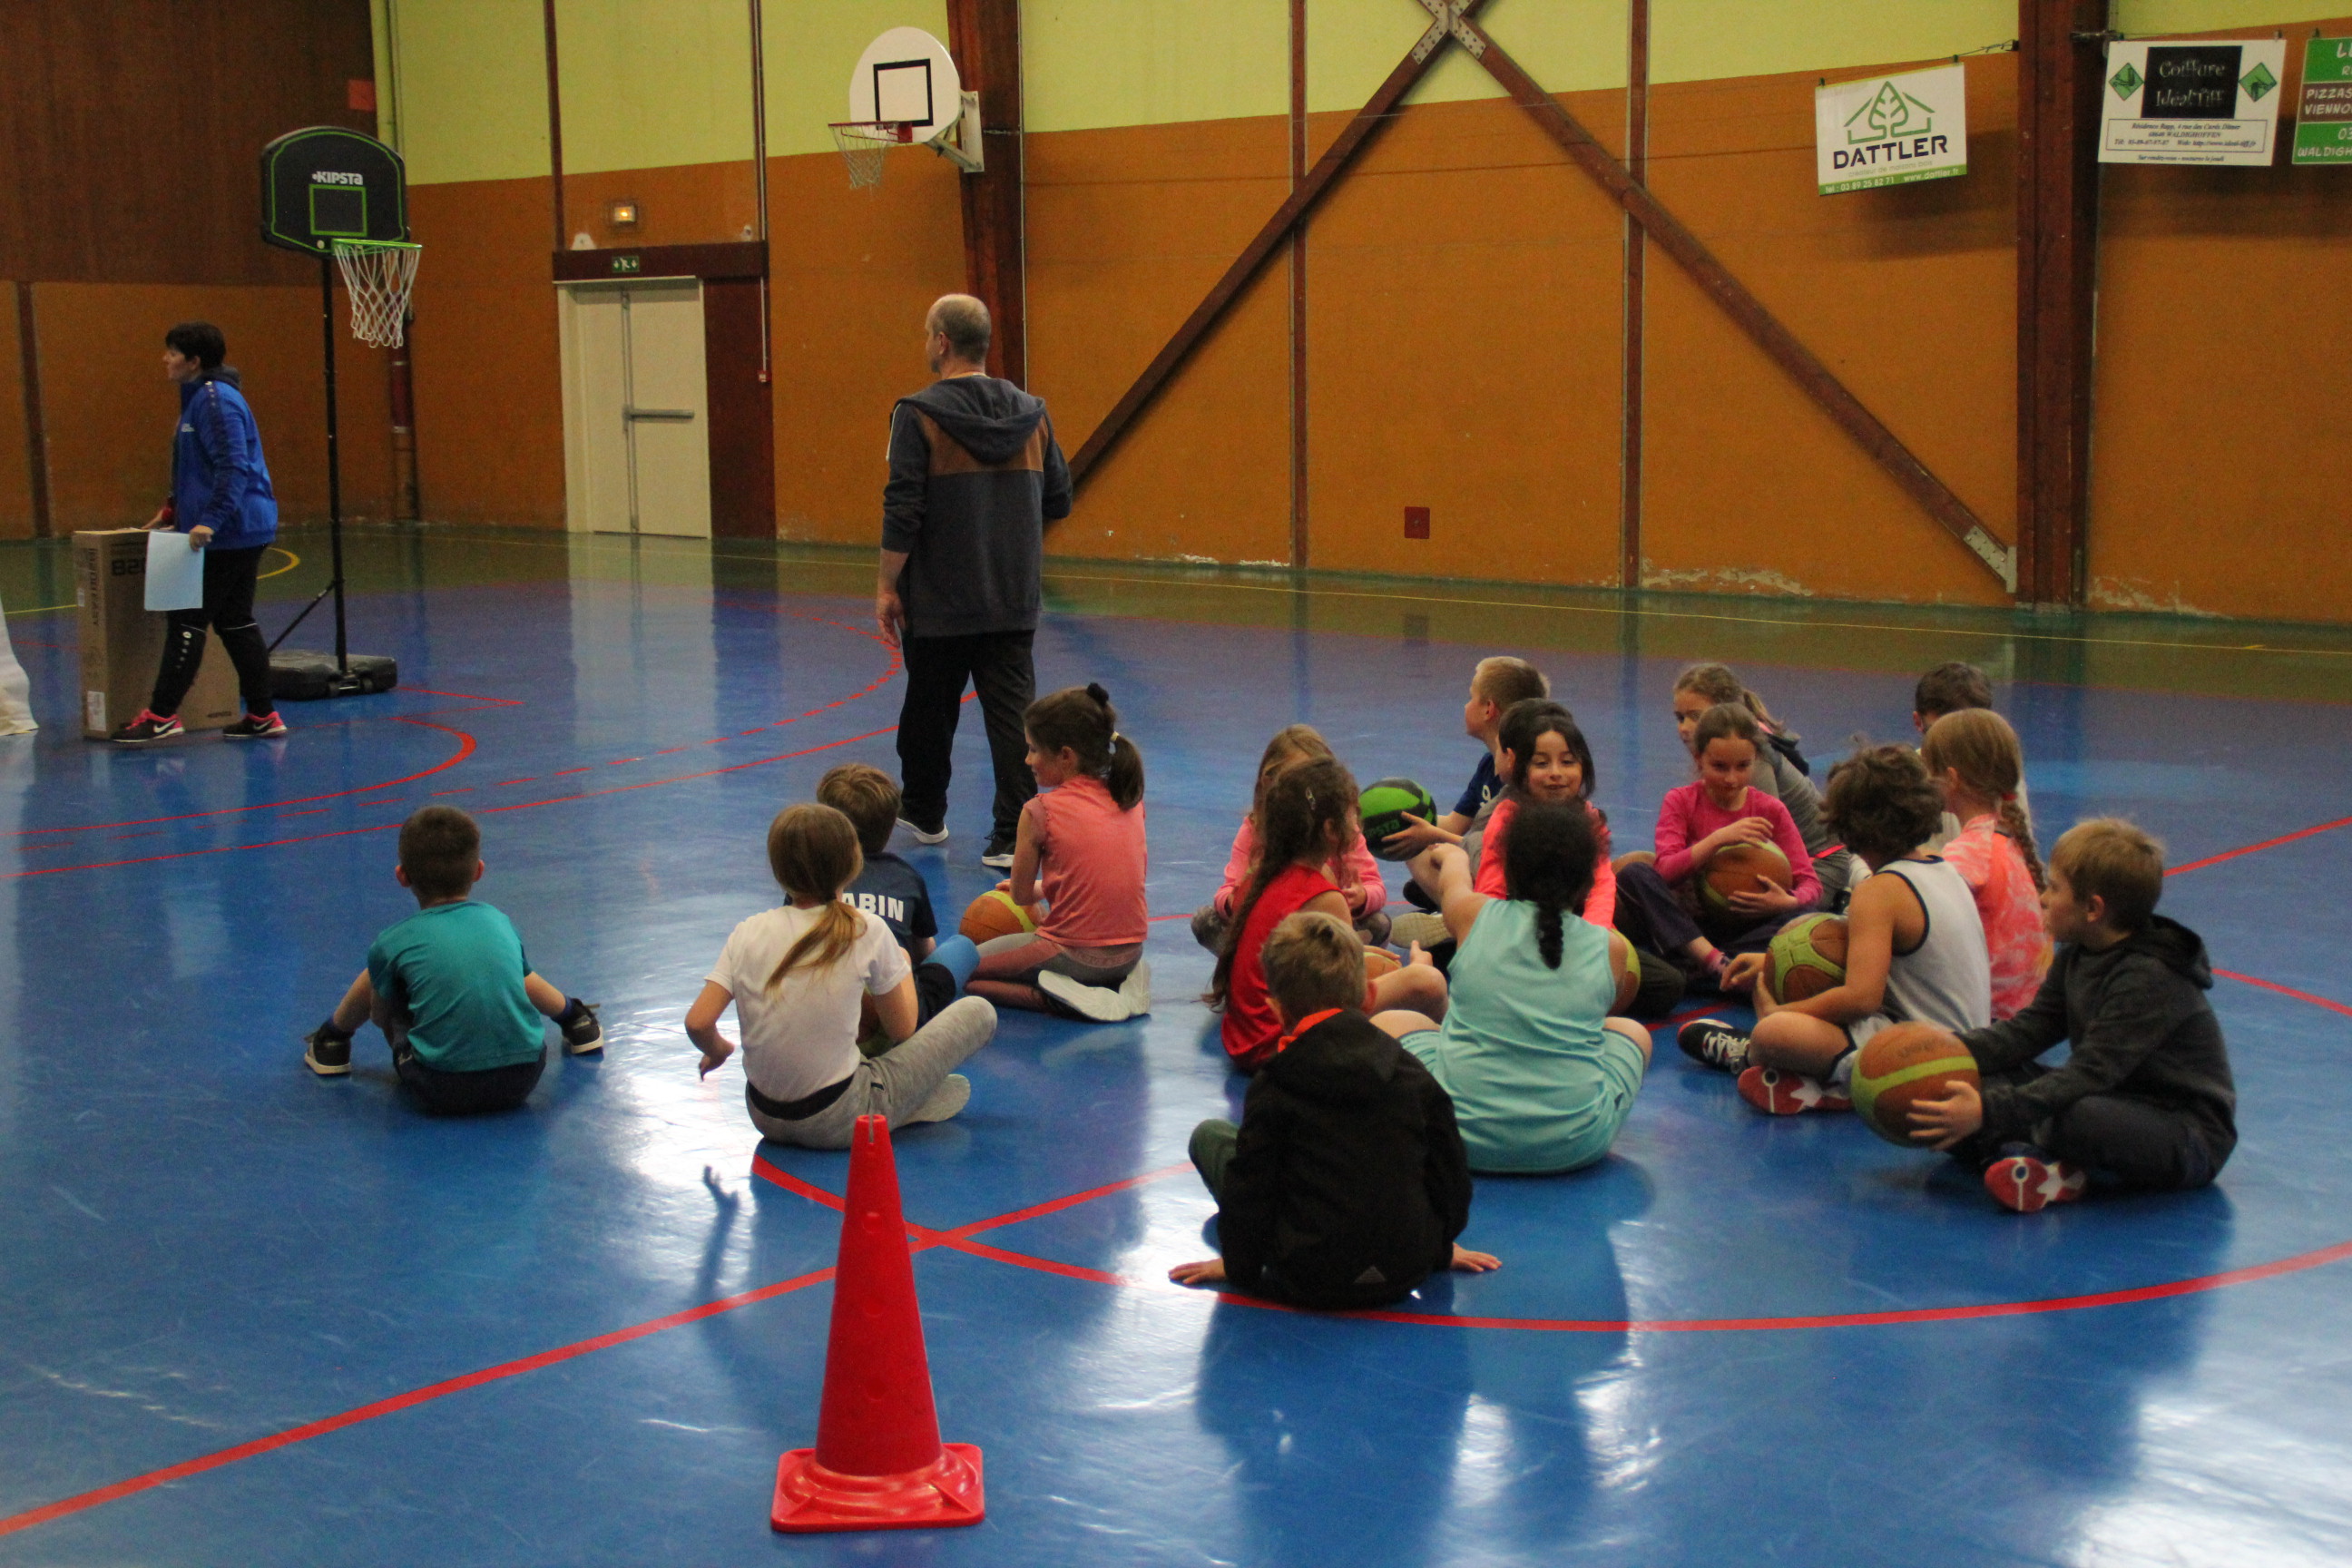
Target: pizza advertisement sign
2322,129
2191,100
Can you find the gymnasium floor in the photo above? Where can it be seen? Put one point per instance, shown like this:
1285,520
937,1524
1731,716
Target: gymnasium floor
249,1316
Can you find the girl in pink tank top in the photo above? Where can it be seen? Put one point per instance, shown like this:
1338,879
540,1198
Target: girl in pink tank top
1974,756
1081,847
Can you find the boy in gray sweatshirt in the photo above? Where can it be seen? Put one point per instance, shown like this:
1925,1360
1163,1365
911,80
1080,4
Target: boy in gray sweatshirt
2145,1100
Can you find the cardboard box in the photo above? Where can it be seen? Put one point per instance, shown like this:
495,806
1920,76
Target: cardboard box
123,640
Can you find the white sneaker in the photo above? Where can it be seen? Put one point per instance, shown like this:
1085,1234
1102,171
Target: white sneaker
1137,990
922,835
1419,926
1100,1004
953,1095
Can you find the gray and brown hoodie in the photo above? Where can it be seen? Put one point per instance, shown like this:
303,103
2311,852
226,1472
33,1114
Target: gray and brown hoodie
975,473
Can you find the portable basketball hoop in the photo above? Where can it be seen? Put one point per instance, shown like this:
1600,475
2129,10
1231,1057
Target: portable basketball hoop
863,145
378,275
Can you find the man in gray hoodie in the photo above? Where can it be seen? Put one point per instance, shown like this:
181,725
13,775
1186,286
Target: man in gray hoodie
975,473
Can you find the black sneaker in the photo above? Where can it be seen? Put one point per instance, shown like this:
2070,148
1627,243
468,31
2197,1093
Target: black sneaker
583,1034
148,729
255,727
998,853
1715,1043
937,833
327,1054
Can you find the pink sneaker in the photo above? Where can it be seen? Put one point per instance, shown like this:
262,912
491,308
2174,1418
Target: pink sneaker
1776,1091
2031,1181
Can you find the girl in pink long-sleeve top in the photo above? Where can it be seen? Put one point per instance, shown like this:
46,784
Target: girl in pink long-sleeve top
1354,871
1657,903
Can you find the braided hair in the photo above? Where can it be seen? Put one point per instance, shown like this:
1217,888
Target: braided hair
1547,861
1309,807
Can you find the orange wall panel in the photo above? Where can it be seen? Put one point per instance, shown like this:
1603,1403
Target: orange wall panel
487,366
1128,229
109,412
851,274
1908,294
1466,319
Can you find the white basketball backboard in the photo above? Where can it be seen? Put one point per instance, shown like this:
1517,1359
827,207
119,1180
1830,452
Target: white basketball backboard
906,74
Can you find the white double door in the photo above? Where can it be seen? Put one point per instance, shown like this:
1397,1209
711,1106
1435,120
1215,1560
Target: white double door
636,417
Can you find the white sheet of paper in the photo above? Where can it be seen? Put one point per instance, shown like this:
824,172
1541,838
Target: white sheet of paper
175,574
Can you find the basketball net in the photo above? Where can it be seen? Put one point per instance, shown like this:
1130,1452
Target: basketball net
379,275
863,143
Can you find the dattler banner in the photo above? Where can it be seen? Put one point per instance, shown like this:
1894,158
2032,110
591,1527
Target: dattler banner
2323,131
1891,130
2191,101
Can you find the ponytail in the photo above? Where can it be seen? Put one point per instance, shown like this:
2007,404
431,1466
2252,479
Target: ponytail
1081,721
814,852
1549,860
1305,800
2014,823
1979,745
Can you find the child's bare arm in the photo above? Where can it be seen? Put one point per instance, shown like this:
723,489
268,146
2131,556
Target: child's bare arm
1208,1271
702,1025
898,1009
1457,900
1023,883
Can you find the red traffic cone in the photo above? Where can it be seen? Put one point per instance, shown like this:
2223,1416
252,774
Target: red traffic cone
878,1463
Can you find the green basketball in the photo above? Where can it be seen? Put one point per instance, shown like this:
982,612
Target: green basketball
1382,805
1807,957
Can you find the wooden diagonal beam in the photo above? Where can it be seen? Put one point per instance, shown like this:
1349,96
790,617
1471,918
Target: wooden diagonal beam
1319,181
1816,379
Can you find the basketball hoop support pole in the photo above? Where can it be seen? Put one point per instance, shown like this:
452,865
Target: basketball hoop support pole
334,463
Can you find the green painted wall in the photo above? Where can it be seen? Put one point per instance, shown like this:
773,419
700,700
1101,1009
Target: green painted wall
473,85
1701,40
647,86
1090,63
1352,45
812,47
2211,15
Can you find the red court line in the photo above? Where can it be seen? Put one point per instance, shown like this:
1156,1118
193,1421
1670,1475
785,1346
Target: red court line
2265,843
464,751
2285,991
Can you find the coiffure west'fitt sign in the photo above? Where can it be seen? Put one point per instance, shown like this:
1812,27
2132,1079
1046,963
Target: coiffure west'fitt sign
2191,101
1891,130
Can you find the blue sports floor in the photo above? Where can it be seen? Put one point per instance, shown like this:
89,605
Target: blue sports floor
249,1316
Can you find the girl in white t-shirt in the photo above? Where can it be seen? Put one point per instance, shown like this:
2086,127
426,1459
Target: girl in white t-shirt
795,974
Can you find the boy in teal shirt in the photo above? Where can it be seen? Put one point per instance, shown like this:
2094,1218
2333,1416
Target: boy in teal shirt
449,986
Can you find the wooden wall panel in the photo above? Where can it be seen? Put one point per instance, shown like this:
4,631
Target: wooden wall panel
111,412
15,466
743,412
1468,352
132,132
1128,229
1908,294
852,274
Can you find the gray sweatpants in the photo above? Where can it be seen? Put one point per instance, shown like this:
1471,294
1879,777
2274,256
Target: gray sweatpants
898,1084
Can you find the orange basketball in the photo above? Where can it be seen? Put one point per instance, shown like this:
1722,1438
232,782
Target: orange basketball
1742,868
1806,958
1902,1065
1626,964
994,914
1380,961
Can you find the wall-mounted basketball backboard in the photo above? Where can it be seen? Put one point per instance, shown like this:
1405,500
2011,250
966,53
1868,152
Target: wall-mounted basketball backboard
323,183
905,77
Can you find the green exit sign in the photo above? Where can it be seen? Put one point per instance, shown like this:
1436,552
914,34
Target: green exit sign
626,263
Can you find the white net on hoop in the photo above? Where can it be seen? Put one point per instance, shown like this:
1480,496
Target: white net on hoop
863,143
379,274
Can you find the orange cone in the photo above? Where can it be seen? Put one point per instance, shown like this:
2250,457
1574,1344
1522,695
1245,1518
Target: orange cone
878,1463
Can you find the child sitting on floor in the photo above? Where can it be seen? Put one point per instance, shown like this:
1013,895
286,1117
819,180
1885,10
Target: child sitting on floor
1495,686
1345,1184
449,986
894,893
1082,842
2144,1099
1781,769
794,974
1658,906
1956,688
1307,820
1356,872
1915,951
1540,1075
1974,758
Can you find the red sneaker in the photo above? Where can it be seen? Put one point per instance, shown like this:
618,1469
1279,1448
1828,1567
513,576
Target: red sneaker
1777,1091
2030,1182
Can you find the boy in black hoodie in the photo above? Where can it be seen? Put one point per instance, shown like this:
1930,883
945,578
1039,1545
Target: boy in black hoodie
1346,1182
2144,1099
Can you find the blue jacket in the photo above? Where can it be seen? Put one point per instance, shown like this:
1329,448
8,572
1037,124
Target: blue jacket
219,478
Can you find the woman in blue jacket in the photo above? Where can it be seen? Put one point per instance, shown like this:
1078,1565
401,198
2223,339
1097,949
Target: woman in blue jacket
222,500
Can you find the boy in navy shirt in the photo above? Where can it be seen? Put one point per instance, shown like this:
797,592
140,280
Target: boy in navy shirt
449,985
893,891
1494,685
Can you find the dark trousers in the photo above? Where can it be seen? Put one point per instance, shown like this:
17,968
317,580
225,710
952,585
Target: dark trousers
2130,1142
998,666
466,1093
1655,921
229,576
1212,1150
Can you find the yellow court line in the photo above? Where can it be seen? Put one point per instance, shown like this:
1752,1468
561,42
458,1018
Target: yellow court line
1696,616
292,560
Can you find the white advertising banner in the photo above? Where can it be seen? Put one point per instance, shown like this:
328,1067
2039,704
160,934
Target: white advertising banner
2191,100
1891,130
